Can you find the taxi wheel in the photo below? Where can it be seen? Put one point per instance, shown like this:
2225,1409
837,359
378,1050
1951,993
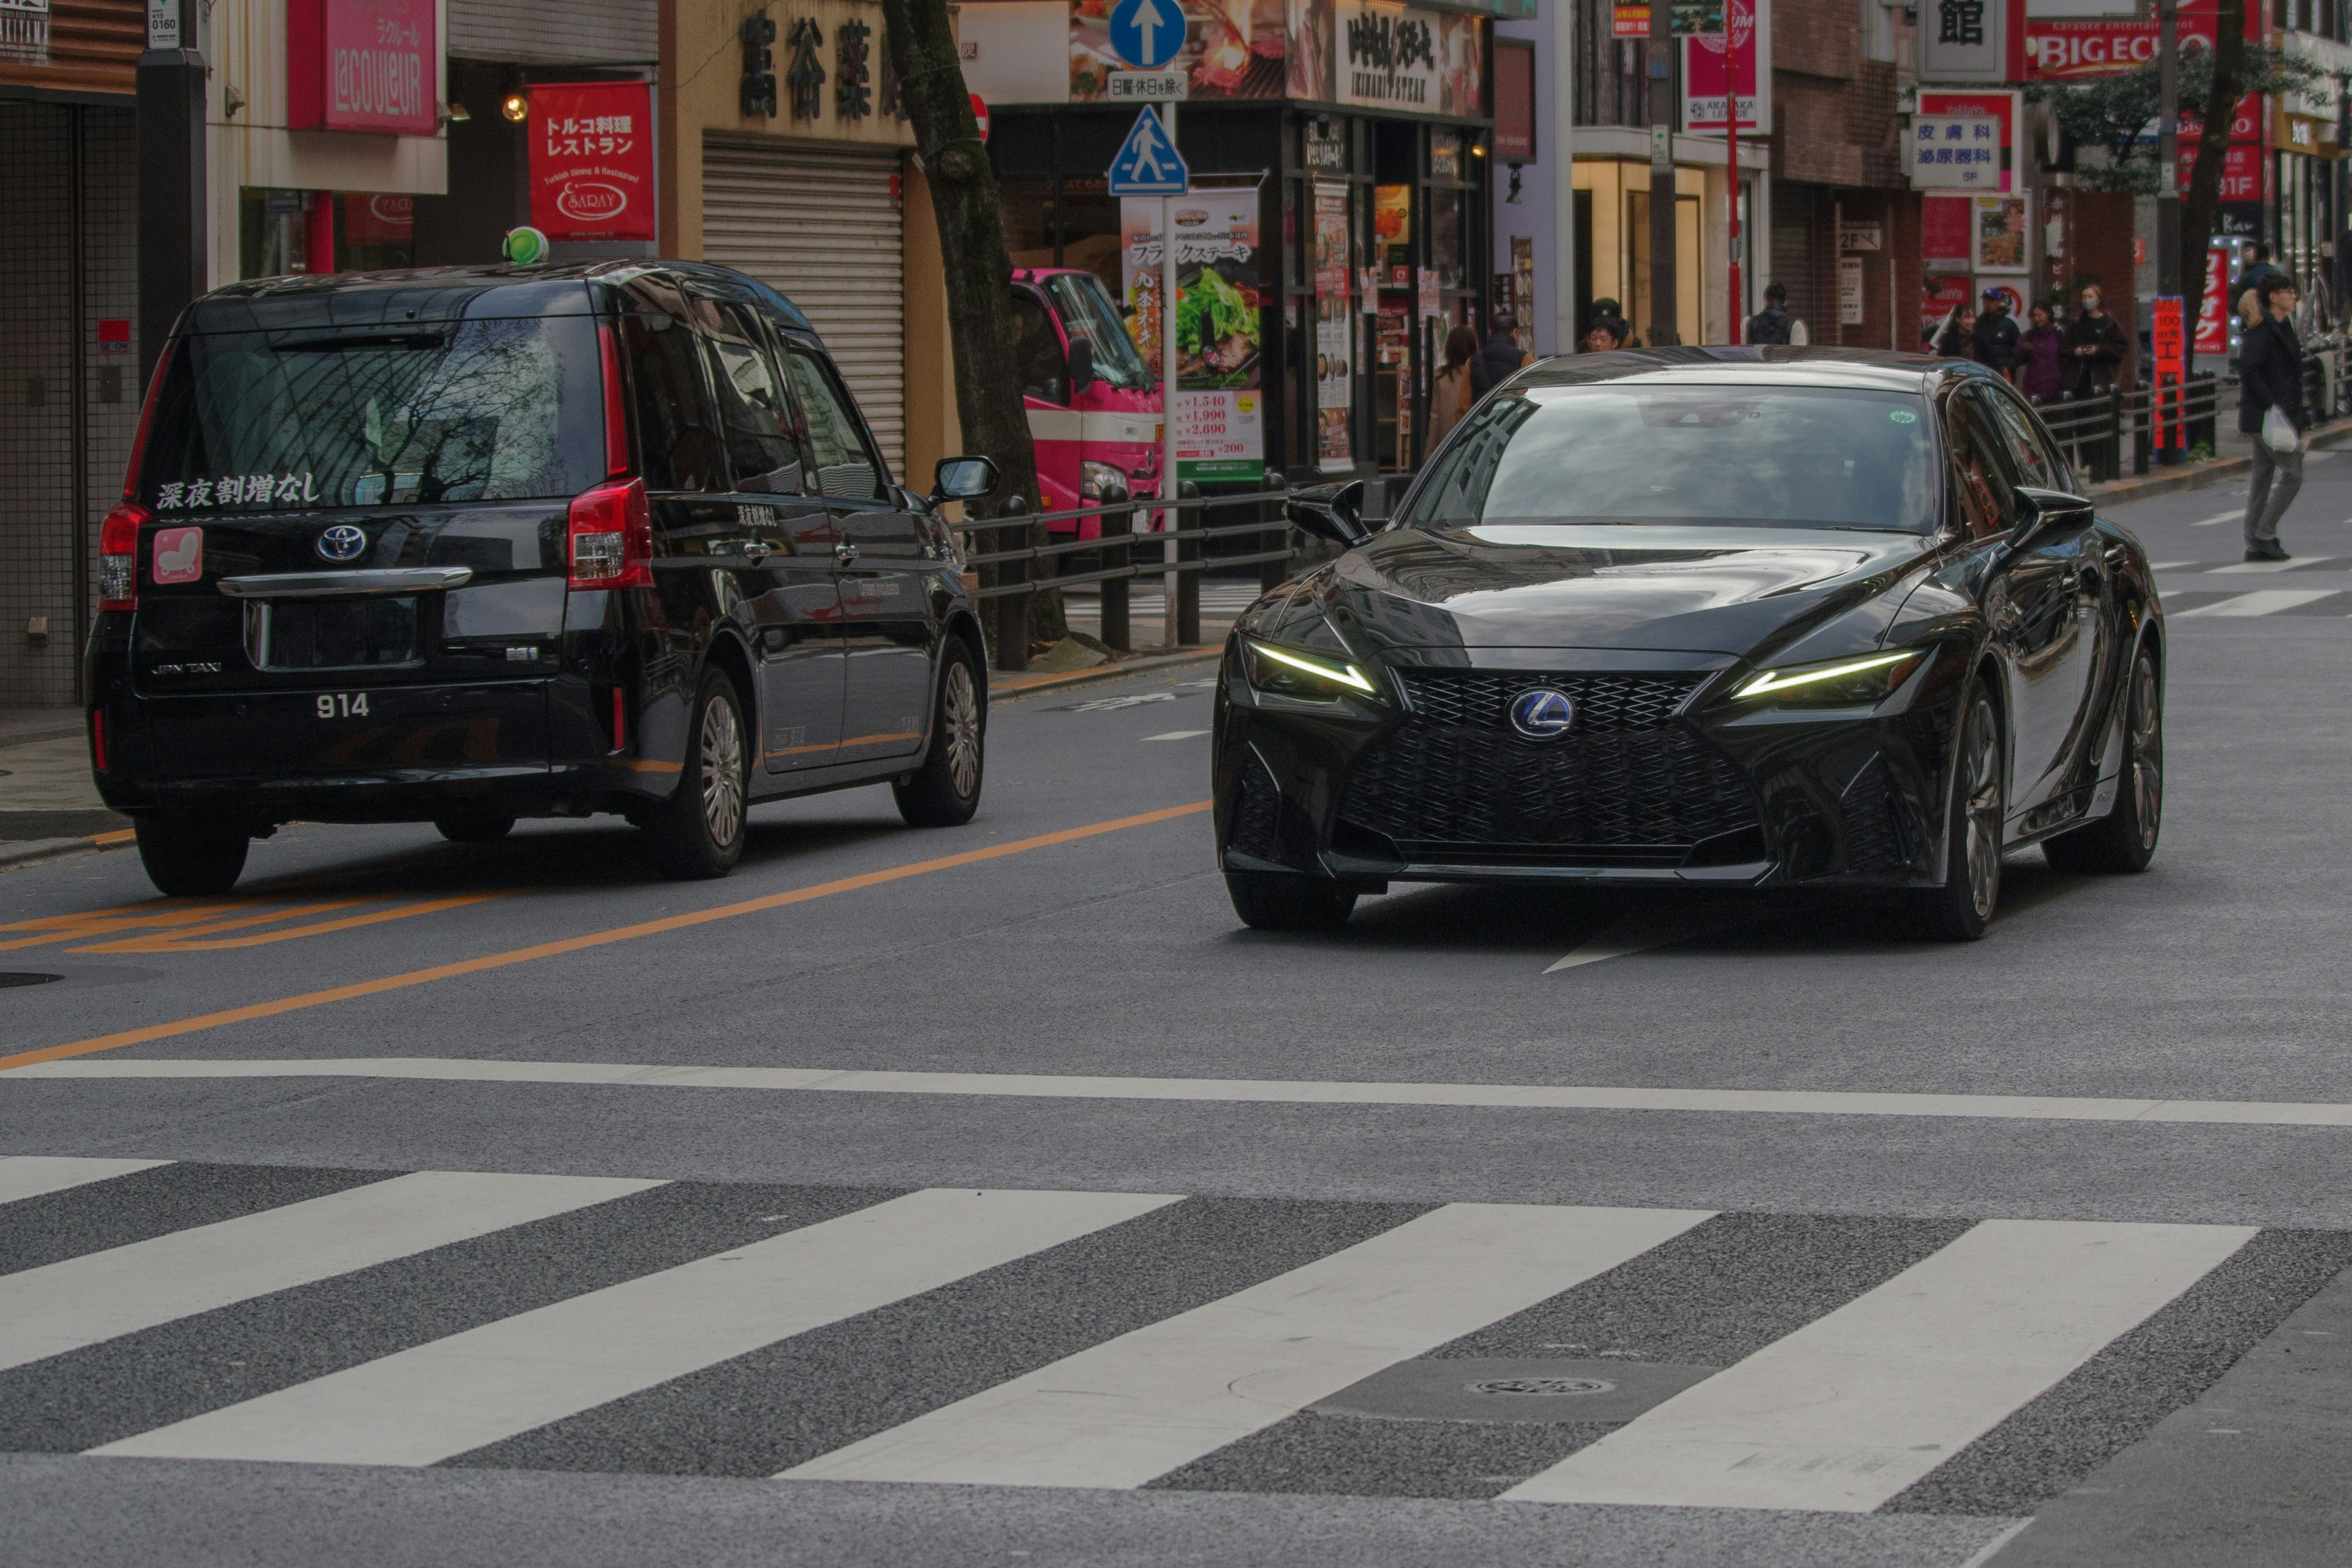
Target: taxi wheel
481,827
186,858
945,791
698,833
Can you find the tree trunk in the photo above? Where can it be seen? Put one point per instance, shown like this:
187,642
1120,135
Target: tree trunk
2203,203
979,280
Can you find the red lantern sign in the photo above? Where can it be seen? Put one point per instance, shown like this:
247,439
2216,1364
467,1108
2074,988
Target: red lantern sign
362,65
592,160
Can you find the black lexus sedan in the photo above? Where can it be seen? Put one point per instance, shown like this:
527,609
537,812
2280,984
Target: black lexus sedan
468,544
1720,618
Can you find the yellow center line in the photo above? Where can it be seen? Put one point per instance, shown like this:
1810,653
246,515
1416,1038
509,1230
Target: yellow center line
581,944
183,941
83,928
159,940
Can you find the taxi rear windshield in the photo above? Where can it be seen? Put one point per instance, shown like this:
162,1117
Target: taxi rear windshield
478,410
1763,456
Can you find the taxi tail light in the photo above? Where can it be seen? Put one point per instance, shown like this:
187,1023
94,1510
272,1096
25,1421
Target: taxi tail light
616,408
611,531
97,738
118,555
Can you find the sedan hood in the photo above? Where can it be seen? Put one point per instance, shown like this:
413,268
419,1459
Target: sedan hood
1684,589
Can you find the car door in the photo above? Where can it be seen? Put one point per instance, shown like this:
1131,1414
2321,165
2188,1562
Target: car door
786,539
2028,602
2074,551
885,612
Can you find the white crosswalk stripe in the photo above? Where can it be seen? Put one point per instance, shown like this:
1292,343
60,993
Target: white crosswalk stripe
425,1404
1882,1382
2298,563
35,1175
83,1301
1855,1407
2264,601
1143,1404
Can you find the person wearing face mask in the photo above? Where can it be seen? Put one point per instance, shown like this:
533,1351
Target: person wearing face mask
2094,348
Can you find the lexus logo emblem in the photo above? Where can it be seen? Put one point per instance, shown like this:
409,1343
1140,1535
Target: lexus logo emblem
341,542
1543,714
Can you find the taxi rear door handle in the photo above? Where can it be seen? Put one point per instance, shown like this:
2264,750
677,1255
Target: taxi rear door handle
756,552
844,552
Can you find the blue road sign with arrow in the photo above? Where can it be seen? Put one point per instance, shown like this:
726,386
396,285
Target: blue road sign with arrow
1149,163
1146,34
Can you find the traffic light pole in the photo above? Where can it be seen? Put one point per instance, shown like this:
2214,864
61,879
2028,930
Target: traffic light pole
1662,175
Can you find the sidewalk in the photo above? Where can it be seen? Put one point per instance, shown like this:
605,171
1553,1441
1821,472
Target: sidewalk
45,791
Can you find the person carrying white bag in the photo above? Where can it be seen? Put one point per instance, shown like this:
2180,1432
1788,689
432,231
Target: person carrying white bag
2270,409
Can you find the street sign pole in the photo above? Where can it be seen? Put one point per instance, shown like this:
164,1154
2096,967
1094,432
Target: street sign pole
1662,175
1736,319
1171,519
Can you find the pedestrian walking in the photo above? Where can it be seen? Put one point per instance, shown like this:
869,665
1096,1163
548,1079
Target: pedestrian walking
1958,336
1492,365
2270,409
2258,270
2094,348
1449,393
1994,341
1773,324
2041,358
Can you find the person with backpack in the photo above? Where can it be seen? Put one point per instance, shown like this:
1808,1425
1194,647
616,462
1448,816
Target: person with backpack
1773,324
2270,409
2251,278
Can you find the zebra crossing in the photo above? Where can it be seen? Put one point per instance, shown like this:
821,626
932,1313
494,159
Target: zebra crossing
1122,1341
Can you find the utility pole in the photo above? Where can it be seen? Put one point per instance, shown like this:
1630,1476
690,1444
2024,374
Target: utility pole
1172,580
175,240
1567,330
2167,148
1736,318
1662,105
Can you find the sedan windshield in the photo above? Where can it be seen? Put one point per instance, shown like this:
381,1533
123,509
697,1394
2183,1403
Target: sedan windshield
1757,456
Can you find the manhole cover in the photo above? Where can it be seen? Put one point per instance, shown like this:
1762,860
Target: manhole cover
1542,1385
24,977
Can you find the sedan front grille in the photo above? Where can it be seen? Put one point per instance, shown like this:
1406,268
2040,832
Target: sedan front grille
1629,783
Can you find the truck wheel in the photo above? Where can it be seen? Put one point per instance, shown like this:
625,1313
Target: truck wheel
945,791
698,833
474,826
187,859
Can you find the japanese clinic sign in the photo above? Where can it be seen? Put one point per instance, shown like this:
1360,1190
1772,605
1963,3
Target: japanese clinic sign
1961,142
592,160
363,65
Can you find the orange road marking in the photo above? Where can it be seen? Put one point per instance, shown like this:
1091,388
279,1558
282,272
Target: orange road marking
180,942
119,835
582,943
106,922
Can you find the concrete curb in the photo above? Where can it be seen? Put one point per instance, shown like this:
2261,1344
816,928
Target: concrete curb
1010,687
27,851
2202,475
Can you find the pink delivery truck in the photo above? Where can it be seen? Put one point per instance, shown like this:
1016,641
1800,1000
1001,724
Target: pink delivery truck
1093,400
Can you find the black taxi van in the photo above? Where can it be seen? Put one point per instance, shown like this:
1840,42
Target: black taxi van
466,545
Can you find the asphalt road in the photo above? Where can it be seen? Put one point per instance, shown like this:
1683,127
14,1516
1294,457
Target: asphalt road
988,1195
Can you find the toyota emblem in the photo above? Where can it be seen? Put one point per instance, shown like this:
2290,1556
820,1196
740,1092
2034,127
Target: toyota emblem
341,542
1542,714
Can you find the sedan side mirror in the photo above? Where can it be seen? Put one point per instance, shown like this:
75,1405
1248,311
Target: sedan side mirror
1082,365
964,479
1335,512
2041,513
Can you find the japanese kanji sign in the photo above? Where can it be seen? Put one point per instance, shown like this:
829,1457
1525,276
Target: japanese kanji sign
592,160
1954,151
1972,40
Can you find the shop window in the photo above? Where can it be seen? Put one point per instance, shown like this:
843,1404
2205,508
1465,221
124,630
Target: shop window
1446,212
272,233
1028,215
1089,224
375,229
1446,160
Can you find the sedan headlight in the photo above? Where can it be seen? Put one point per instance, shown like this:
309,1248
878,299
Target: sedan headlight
1285,672
1867,678
1102,481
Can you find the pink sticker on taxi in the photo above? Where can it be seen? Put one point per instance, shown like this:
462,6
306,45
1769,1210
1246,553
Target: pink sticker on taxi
179,555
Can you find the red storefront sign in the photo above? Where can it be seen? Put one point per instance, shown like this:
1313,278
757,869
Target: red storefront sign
2213,317
2244,171
386,217
362,65
2245,125
2110,46
1944,235
592,160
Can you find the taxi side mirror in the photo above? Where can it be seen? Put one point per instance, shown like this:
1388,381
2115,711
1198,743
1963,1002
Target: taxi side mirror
964,479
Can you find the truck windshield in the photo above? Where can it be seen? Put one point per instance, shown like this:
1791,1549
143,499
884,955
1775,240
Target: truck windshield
483,410
1087,312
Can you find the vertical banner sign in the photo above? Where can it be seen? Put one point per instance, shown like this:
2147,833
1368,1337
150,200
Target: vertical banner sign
1707,68
1849,276
2168,346
592,160
1334,329
363,65
2213,319
1220,374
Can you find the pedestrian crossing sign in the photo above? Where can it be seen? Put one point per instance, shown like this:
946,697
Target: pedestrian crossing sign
1148,164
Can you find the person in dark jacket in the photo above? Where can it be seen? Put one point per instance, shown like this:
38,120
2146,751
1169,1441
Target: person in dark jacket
2041,358
1772,324
1495,363
2270,375
2258,270
2094,348
1994,341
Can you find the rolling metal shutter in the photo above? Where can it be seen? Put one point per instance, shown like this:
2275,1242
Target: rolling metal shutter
586,32
820,224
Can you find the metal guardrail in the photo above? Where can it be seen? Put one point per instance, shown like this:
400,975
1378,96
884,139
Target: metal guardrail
2098,430
1176,555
